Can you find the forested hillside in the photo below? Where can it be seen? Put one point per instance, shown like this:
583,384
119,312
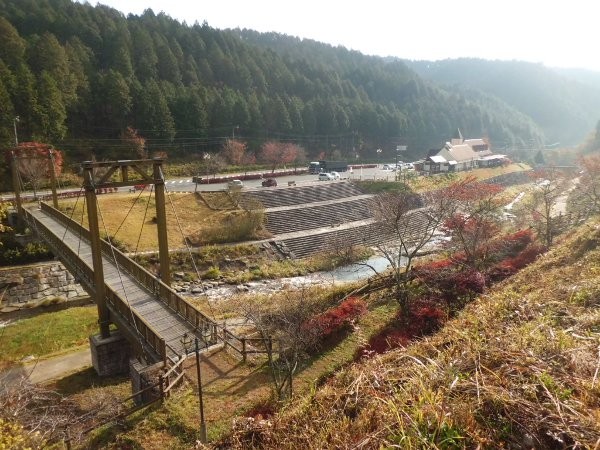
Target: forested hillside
77,76
564,103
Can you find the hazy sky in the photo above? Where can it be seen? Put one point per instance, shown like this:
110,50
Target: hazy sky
555,33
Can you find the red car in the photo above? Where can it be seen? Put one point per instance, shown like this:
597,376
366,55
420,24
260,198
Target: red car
269,182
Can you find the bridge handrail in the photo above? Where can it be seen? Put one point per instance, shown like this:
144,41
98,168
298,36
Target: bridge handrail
151,337
165,293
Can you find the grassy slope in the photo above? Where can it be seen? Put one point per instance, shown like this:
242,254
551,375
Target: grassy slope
191,214
517,369
232,388
47,333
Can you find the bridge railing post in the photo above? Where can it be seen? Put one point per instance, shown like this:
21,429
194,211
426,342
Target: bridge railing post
163,349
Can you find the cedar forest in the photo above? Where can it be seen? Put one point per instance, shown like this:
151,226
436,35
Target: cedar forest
79,76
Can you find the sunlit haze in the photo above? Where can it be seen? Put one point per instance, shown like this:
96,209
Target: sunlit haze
556,33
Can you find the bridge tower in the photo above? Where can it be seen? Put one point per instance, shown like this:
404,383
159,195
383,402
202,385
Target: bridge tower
17,185
107,348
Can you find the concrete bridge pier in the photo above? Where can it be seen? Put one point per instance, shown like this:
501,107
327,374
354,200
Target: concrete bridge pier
110,355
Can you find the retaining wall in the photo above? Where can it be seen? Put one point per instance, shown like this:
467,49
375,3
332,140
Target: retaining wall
38,284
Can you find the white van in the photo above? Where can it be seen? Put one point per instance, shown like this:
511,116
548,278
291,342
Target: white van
326,177
235,185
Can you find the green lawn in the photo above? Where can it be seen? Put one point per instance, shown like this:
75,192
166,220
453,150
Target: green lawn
47,333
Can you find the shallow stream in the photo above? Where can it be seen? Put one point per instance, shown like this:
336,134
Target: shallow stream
345,274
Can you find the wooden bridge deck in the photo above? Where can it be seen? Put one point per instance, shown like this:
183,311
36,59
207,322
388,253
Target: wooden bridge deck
155,312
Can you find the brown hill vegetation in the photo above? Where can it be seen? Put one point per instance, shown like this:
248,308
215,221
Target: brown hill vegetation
518,368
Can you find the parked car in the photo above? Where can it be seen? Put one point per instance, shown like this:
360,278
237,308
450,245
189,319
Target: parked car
325,176
235,184
269,182
336,175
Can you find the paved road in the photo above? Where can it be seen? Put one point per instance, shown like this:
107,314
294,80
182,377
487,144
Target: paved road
187,185
44,370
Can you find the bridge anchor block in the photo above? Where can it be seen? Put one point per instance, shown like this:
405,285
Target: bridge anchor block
111,355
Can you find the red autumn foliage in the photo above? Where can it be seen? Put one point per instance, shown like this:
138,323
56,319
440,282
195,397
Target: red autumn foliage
35,156
424,319
279,153
234,151
433,266
135,143
522,237
472,190
510,266
33,162
473,236
466,282
451,285
335,319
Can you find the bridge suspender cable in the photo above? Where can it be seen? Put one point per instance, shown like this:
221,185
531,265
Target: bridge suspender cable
128,212
189,250
137,244
81,226
109,240
72,213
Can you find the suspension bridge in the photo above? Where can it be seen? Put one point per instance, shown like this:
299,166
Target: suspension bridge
152,316
158,324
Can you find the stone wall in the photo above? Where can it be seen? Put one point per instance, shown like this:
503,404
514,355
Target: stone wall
38,284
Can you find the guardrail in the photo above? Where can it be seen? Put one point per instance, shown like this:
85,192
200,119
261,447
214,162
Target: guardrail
245,346
154,285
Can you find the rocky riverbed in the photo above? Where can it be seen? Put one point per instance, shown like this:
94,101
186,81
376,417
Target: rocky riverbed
216,290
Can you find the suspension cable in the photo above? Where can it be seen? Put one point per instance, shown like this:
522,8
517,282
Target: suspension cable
189,251
128,212
83,209
143,220
72,213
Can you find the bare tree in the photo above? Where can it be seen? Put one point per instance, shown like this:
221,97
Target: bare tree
35,161
283,327
134,143
213,163
540,209
475,221
233,151
45,417
405,223
584,199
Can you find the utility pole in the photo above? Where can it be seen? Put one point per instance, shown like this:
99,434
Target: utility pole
53,179
15,120
17,189
399,148
200,398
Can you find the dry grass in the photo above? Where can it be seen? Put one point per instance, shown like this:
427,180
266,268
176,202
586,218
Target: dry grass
519,368
421,184
232,388
190,212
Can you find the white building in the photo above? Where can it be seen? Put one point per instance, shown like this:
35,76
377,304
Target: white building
461,154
